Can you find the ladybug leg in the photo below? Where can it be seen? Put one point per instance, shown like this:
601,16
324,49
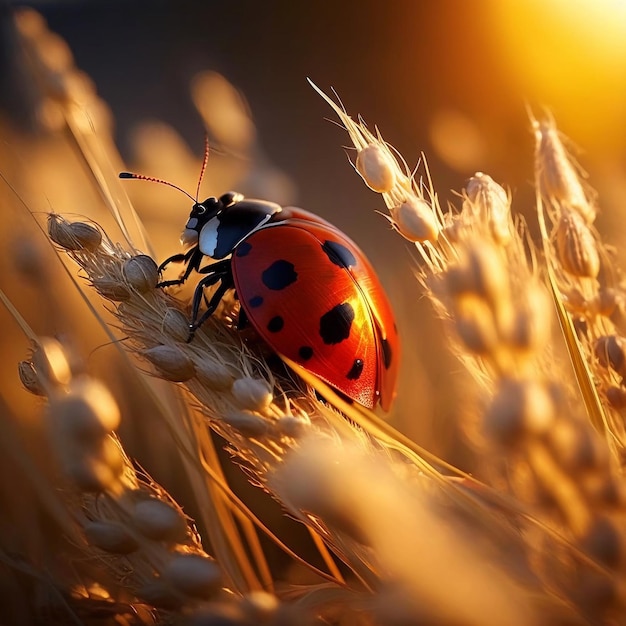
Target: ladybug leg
193,258
221,267
226,282
176,258
242,318
215,268
198,295
243,321
215,300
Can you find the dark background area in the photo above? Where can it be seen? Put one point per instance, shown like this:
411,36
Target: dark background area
395,63
400,64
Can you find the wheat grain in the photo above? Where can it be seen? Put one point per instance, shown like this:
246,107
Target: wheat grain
377,168
111,537
414,219
487,202
559,177
576,247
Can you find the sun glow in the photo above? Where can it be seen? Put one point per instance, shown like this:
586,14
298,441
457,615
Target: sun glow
569,55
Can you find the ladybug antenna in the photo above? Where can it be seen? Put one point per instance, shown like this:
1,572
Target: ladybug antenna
204,164
155,180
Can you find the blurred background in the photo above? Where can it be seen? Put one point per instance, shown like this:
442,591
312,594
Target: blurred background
453,79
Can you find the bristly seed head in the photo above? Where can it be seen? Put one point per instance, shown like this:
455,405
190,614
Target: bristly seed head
293,425
212,374
247,424
175,325
160,594
480,271
51,362
95,468
86,413
475,324
377,168
111,288
576,446
531,327
608,301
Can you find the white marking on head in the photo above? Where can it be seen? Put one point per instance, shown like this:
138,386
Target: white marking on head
207,241
189,237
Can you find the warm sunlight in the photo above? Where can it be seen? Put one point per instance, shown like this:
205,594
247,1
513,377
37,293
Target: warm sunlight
569,54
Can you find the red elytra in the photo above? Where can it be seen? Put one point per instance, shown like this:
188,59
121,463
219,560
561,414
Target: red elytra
305,287
313,296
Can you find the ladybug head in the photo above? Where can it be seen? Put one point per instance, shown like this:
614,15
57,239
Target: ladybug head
203,212
218,225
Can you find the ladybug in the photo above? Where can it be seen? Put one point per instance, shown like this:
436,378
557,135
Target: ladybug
305,287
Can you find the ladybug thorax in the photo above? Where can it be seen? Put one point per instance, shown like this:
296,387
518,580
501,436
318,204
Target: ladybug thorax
219,225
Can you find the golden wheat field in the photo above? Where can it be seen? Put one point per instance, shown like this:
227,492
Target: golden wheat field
151,477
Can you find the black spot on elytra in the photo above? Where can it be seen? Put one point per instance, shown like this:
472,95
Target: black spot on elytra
387,353
243,248
305,352
279,275
356,370
275,324
338,254
255,301
335,324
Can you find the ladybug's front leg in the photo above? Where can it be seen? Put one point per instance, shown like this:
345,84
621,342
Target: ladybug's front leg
192,258
224,276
